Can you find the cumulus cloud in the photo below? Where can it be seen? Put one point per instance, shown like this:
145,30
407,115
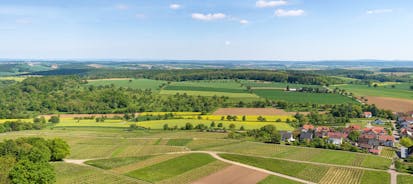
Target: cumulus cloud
208,17
379,11
289,13
122,7
175,6
265,3
243,21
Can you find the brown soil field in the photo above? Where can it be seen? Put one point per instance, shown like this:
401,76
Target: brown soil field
84,115
253,111
393,104
233,174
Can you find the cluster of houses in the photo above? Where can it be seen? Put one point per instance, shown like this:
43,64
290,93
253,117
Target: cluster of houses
370,139
405,123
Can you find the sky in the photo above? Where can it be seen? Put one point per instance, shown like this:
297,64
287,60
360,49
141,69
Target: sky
207,29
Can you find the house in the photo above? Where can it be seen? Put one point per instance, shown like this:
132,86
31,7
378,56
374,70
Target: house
287,136
336,137
307,127
322,131
405,152
368,138
306,135
351,128
368,114
378,122
386,140
375,151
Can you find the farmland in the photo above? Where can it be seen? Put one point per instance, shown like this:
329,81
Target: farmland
310,172
129,83
299,97
400,91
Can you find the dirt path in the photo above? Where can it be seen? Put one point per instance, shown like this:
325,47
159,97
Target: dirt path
77,162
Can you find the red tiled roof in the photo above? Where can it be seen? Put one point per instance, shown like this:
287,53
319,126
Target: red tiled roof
337,135
368,136
355,127
322,128
308,127
386,138
367,113
376,151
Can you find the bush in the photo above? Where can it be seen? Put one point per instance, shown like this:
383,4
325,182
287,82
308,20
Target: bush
26,172
59,149
54,119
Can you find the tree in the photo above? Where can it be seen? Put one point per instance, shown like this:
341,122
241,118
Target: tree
26,172
54,119
166,126
6,164
212,124
242,128
232,126
220,125
354,136
244,118
59,149
411,87
189,126
406,142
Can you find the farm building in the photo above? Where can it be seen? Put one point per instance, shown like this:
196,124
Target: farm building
368,114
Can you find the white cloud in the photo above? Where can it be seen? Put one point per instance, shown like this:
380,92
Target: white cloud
122,7
227,43
265,3
208,17
289,13
175,6
243,21
379,11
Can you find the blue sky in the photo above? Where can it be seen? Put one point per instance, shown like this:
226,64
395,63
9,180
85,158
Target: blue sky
207,29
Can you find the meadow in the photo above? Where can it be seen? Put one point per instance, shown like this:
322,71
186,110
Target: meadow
210,93
275,85
401,90
299,97
228,86
129,83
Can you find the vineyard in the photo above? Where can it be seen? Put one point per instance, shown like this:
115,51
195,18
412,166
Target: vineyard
342,176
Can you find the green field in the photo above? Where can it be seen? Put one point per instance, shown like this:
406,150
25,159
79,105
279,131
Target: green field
299,97
312,172
129,83
400,91
209,93
402,179
263,84
171,168
226,86
115,162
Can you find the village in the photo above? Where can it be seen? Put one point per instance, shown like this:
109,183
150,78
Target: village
371,138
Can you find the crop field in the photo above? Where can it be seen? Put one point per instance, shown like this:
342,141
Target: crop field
311,172
275,85
200,88
219,84
18,79
129,83
402,179
250,118
71,173
198,144
209,93
172,167
299,97
115,162
387,153
306,154
24,120
277,180
178,142
253,111
158,124
400,91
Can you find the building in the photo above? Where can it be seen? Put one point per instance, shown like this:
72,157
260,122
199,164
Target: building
287,136
378,122
405,152
368,114
336,137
